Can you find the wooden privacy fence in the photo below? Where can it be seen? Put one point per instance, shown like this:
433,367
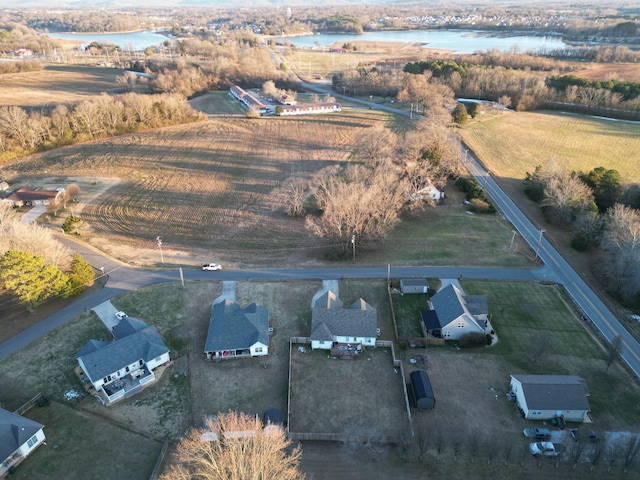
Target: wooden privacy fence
27,406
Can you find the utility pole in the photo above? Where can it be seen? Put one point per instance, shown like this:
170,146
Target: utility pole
353,242
513,237
411,112
159,240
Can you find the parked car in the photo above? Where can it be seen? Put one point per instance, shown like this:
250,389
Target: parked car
591,435
537,433
120,315
211,267
546,449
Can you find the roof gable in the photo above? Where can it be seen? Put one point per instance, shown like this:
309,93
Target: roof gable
128,326
232,327
328,299
359,320
450,304
14,432
554,392
143,345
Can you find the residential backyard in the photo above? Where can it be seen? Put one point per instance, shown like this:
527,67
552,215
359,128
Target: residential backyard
363,398
472,419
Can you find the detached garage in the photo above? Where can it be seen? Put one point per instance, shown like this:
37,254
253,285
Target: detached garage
421,390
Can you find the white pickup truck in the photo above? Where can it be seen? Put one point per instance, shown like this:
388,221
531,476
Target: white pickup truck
211,267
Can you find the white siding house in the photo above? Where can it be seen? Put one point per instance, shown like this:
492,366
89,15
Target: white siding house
19,437
332,324
122,367
459,314
543,397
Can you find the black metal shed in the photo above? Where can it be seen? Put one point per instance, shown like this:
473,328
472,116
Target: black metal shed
421,390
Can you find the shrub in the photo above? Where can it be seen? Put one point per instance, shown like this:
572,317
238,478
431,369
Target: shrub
481,206
472,340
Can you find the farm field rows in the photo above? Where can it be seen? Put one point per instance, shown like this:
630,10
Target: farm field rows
216,189
57,84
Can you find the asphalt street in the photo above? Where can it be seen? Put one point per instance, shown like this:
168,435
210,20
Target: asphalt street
556,269
593,309
122,278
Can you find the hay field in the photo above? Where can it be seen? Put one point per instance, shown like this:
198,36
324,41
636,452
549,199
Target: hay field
56,84
513,143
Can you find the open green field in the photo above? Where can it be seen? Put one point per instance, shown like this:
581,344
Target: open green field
538,334
513,143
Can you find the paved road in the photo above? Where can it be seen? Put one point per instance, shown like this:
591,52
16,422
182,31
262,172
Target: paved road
123,279
560,271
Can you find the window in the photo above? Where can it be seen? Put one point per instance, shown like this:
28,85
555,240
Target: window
258,349
126,369
460,324
140,362
32,441
446,334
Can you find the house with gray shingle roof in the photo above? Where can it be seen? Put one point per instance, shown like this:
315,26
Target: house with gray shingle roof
458,314
124,366
331,323
543,397
19,437
237,332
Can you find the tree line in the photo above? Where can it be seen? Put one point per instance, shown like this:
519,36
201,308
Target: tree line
524,90
23,132
34,266
385,177
603,214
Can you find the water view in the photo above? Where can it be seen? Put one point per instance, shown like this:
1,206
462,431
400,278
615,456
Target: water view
459,41
126,41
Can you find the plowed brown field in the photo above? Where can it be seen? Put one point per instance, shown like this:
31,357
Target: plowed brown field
214,186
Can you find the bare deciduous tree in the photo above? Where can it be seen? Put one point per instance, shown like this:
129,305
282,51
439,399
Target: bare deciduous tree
248,454
8,216
360,203
567,196
621,243
15,122
295,195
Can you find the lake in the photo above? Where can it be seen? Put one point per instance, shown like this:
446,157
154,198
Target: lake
127,41
459,41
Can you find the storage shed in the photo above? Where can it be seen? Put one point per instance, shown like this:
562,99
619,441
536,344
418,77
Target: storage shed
414,285
421,390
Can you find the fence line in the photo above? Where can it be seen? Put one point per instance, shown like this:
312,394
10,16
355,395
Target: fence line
393,312
156,469
398,363
27,406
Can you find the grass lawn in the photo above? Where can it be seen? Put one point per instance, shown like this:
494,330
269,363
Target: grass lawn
513,143
362,397
538,334
407,309
82,446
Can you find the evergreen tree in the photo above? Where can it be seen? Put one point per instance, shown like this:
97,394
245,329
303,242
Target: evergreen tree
32,281
460,114
81,274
